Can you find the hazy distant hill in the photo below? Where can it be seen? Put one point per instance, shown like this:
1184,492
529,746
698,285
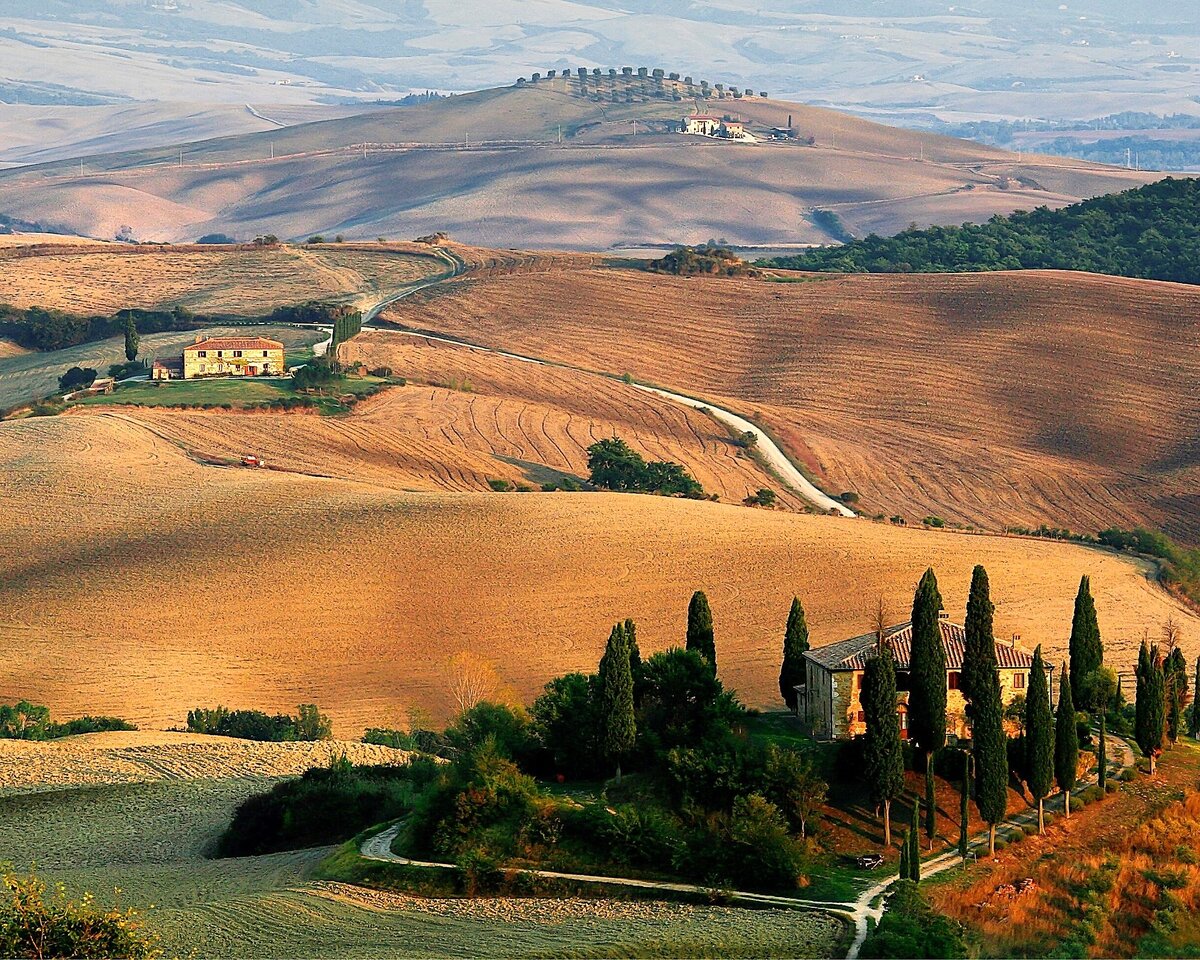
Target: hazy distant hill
1009,58
552,164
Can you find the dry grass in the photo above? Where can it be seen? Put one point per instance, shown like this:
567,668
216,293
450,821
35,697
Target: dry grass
604,186
246,282
1103,876
997,399
467,417
146,584
148,756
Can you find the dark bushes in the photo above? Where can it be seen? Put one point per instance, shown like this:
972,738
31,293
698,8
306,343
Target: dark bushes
326,805
308,724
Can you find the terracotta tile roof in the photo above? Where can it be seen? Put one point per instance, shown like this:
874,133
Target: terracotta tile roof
854,653
235,343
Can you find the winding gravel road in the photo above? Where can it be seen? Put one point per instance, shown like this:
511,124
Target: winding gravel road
868,906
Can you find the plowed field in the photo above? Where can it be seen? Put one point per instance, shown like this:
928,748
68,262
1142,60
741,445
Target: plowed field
467,417
248,282
993,399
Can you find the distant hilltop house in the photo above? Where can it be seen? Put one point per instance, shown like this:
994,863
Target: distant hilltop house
704,125
830,698
224,357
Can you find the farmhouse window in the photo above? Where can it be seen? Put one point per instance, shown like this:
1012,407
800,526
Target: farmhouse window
1018,681
264,353
858,681
953,679
862,716
202,353
220,353
237,353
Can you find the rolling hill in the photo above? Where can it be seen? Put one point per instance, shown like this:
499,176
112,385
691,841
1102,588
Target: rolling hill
147,584
541,165
995,399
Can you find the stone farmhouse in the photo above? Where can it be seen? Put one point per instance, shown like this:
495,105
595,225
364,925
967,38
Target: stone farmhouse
224,357
829,699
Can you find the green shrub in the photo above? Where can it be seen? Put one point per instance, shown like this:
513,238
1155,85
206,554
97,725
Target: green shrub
35,923
308,724
911,929
326,805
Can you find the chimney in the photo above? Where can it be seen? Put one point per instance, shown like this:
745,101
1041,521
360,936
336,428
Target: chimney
943,615
1016,638
199,338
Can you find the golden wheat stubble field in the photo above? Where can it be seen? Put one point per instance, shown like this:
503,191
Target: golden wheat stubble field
145,584
103,278
467,417
990,399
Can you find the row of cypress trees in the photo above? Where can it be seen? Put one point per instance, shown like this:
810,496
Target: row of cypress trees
1051,743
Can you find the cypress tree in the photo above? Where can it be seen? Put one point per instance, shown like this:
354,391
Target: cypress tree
635,660
618,730
914,839
964,807
1066,741
905,869
795,643
1086,650
1194,715
883,758
1102,687
1177,689
1149,709
1040,734
700,629
927,701
979,668
132,340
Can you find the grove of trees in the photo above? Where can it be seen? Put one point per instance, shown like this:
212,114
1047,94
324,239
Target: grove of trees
1148,232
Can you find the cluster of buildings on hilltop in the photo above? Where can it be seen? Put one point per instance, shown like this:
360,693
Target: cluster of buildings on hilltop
704,125
830,701
224,357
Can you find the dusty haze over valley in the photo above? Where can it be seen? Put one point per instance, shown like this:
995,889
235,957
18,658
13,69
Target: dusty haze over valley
599,478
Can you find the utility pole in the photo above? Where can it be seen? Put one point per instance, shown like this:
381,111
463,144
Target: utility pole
272,149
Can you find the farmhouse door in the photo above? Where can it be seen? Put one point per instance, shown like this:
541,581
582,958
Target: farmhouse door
254,371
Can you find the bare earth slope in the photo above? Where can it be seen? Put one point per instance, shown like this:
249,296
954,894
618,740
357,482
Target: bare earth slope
539,165
467,417
147,584
992,399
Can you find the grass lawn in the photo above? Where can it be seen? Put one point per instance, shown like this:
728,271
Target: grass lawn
240,393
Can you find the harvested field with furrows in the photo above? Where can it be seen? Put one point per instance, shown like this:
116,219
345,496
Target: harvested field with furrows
235,280
467,417
990,399
354,597
148,756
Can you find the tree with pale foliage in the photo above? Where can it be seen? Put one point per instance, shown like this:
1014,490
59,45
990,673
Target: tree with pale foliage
1194,713
1102,687
472,679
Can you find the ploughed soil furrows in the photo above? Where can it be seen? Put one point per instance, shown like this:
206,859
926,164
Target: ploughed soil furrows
466,418
246,281
991,399
147,584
